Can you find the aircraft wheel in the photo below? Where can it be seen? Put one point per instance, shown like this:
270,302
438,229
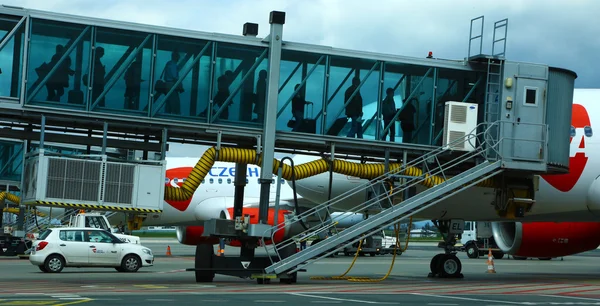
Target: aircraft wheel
204,260
472,251
545,258
519,258
498,255
434,265
450,266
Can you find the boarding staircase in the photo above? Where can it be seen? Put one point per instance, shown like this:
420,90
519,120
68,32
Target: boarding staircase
433,175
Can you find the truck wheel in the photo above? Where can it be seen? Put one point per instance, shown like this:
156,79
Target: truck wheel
472,251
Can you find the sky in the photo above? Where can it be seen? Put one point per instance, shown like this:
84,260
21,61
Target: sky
558,33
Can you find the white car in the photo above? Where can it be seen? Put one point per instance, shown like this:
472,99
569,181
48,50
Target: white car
57,248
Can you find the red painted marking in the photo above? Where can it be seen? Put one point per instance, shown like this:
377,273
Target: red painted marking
179,174
566,182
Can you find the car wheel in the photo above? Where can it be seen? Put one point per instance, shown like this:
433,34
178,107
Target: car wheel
54,264
131,263
43,269
119,269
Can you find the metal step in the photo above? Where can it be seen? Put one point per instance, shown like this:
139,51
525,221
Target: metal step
387,217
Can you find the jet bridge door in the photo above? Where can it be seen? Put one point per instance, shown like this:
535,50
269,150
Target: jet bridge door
528,131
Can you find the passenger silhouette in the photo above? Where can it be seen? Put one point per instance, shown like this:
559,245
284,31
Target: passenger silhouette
354,109
388,110
223,83
298,103
170,76
133,80
407,120
59,80
98,80
261,96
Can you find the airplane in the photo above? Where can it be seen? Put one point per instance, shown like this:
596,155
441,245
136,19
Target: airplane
550,229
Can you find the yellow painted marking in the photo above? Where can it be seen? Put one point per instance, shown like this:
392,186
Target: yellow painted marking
74,302
151,286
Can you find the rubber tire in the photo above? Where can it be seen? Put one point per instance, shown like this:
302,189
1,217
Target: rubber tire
519,258
472,251
372,254
204,260
119,269
433,266
545,258
43,269
128,258
498,255
51,258
449,258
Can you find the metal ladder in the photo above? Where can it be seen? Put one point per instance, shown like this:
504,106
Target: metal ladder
492,99
390,212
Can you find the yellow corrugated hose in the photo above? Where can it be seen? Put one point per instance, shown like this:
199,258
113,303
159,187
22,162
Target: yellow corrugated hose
367,279
248,156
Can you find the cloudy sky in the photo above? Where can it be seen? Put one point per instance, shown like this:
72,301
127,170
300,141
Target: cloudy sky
559,33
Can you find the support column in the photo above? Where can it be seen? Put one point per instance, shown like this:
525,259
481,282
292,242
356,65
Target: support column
276,19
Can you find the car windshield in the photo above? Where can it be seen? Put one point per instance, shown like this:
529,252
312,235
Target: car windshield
44,234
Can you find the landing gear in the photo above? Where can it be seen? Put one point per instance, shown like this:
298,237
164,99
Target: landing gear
447,265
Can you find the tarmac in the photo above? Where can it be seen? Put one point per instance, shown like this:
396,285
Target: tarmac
572,281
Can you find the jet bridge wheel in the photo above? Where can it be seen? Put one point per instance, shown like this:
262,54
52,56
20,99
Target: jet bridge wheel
204,260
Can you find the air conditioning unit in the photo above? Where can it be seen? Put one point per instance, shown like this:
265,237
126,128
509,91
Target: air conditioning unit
460,120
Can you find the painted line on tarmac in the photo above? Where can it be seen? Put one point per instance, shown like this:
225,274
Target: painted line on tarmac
472,299
340,299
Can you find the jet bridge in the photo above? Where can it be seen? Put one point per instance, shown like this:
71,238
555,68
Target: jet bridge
479,121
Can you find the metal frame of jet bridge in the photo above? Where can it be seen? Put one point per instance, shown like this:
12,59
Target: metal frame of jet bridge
63,54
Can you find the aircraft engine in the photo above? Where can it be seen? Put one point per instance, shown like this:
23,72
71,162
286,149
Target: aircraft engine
192,235
546,239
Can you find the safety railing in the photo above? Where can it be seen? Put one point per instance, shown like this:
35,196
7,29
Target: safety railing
426,177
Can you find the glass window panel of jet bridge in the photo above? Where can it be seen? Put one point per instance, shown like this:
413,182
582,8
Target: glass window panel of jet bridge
343,72
394,79
233,97
67,45
296,68
452,85
11,56
193,66
122,65
11,161
418,93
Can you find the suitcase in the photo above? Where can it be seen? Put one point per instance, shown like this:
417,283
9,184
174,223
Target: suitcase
337,126
75,97
308,125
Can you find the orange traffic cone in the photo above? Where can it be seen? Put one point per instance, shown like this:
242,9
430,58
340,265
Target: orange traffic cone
169,250
490,263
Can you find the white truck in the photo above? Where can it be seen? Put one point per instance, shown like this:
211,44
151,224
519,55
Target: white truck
98,220
478,238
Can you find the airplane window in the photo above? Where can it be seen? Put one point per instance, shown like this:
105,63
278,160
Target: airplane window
228,181
220,181
212,181
573,131
247,181
588,131
203,181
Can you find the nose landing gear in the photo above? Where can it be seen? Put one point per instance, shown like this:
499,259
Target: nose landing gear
447,265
